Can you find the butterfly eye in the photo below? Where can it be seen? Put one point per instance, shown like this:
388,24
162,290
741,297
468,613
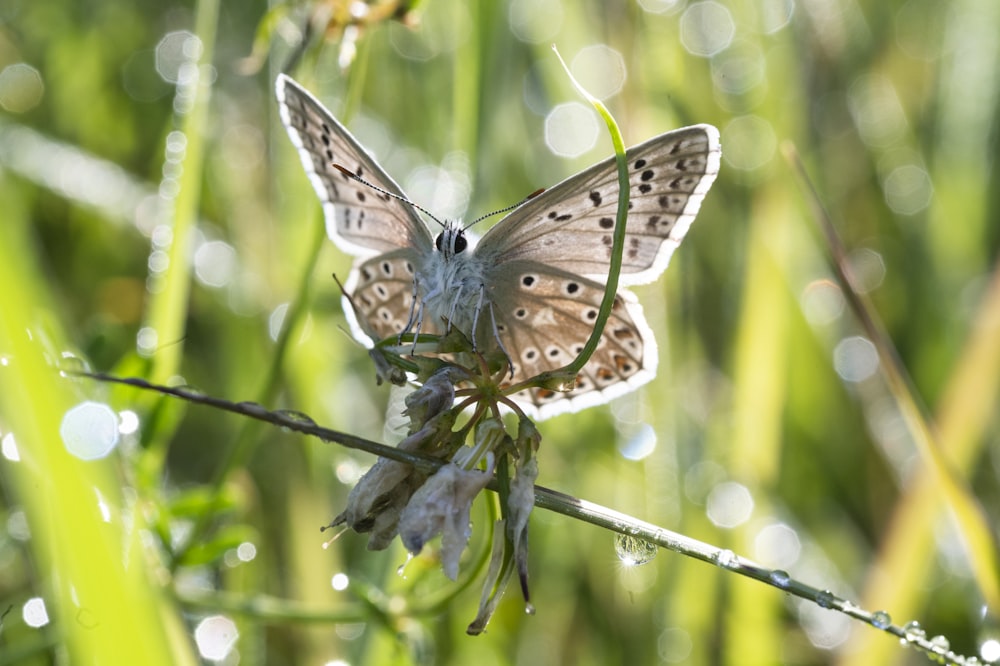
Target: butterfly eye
459,244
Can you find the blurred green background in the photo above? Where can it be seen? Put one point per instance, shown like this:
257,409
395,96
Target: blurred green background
155,221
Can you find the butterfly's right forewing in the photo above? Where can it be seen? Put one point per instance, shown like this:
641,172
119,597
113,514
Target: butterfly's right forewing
359,219
570,225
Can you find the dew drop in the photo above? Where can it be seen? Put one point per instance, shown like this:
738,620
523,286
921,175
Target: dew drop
633,551
294,416
881,619
780,578
529,609
912,631
189,390
72,364
726,559
940,644
401,570
825,599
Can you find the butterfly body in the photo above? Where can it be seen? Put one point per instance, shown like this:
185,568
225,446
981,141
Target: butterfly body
451,287
533,284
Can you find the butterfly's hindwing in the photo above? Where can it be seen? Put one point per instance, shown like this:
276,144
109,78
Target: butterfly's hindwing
570,226
381,289
546,316
361,220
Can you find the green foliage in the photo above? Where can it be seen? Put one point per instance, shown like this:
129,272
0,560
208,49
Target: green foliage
893,108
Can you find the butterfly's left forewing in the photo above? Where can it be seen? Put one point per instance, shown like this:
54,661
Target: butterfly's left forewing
570,225
359,219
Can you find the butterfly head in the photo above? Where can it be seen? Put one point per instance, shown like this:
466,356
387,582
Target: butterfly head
451,241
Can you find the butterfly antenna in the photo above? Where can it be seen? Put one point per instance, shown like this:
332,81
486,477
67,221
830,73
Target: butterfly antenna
354,176
504,210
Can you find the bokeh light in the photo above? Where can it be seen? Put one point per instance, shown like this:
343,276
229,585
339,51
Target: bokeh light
174,53
664,7
535,21
21,88
437,33
855,359
8,447
773,15
600,69
90,430
729,504
17,526
749,142
128,422
826,629
777,546
738,70
638,442
876,110
35,613
867,269
215,263
674,645
571,129
822,302
707,28
908,189
339,582
215,637
989,650
246,551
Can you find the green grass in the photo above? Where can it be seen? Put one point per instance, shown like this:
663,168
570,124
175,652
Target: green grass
893,108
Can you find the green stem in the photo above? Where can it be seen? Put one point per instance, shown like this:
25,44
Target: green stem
617,247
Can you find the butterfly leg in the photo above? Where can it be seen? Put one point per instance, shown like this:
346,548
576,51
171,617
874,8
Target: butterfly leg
475,315
454,304
496,336
416,330
413,312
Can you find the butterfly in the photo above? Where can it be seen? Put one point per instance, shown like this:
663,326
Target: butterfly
534,283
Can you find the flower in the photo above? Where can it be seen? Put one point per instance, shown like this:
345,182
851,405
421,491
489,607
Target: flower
376,503
442,506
